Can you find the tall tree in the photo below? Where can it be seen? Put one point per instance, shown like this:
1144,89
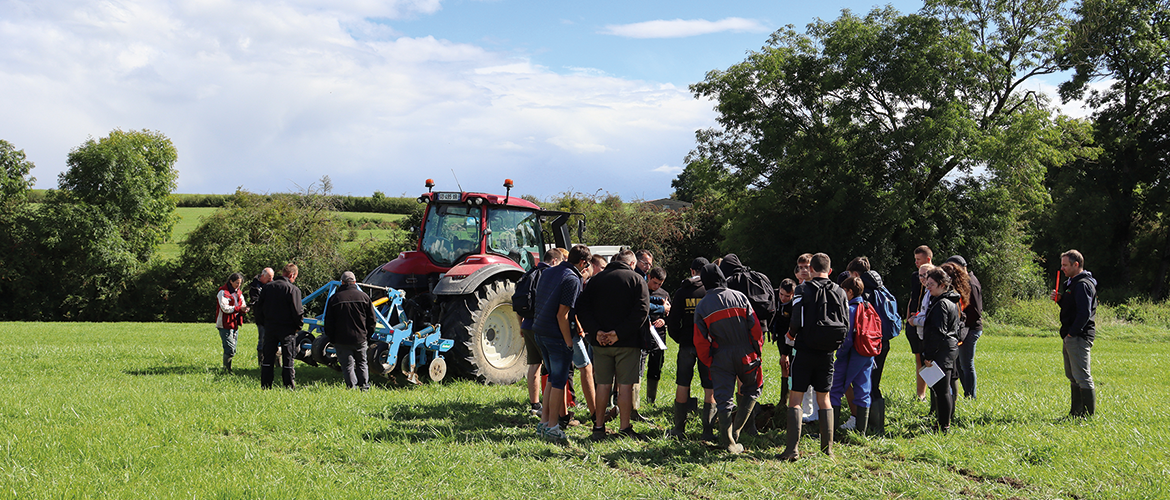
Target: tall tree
14,169
854,137
128,176
1127,44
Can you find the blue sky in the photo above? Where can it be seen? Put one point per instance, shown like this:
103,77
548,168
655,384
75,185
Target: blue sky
379,95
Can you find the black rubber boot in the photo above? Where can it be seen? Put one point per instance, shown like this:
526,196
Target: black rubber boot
862,420
693,407
744,417
651,391
1078,405
837,415
877,417
726,440
680,422
1089,400
783,394
793,438
826,424
709,422
227,363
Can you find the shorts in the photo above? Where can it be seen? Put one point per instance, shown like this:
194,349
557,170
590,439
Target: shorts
813,368
532,351
582,352
559,356
687,359
618,364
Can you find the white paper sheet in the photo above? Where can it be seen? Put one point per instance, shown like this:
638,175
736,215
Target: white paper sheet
931,374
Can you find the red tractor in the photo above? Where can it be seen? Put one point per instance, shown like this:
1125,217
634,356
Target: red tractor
472,248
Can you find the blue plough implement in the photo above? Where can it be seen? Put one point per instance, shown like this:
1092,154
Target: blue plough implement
398,347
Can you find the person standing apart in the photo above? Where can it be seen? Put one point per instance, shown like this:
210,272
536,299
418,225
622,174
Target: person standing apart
940,341
279,309
229,315
349,320
1077,298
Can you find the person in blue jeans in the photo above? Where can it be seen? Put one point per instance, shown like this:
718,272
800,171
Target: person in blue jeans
556,299
973,317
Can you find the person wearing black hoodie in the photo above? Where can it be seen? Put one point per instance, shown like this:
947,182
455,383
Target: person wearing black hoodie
940,341
1077,298
680,324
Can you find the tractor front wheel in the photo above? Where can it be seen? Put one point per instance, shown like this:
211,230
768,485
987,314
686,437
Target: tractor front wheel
488,344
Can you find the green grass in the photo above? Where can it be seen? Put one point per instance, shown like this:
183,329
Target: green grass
364,225
124,410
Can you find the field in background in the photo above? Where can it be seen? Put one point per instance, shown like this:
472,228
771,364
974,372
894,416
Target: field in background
124,410
363,225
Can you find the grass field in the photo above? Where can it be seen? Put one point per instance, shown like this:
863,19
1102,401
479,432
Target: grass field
189,220
142,411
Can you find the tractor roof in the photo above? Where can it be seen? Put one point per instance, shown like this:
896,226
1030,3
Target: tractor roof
488,199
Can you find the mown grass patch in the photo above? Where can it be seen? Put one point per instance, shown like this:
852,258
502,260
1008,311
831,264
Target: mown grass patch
127,410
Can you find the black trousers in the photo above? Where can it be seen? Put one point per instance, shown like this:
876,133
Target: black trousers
879,362
944,397
654,362
286,339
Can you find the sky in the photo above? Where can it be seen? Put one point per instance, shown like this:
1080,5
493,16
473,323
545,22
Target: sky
380,95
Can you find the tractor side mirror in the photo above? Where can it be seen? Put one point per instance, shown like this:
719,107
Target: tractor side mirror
581,230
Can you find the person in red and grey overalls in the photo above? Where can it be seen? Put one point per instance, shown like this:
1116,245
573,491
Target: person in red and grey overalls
728,339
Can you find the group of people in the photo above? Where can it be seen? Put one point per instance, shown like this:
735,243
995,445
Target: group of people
833,334
275,302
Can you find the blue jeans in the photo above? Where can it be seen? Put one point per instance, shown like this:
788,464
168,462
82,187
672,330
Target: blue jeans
559,356
966,361
228,337
582,352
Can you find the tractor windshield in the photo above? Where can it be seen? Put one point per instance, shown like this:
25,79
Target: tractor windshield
514,234
451,231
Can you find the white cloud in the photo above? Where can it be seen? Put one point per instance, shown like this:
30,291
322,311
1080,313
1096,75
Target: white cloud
272,95
679,28
667,169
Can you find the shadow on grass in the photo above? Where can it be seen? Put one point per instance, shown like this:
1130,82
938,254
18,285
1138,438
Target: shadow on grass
170,370
446,420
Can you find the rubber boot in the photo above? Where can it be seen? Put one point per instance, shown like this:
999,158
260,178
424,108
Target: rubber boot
826,424
709,422
793,438
877,417
837,415
744,417
680,421
1078,405
651,391
227,363
1089,400
862,420
693,406
726,439
783,393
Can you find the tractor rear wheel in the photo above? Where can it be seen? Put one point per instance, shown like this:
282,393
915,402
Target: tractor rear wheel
488,344
376,358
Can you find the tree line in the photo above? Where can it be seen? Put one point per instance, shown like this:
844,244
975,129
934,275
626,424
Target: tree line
871,135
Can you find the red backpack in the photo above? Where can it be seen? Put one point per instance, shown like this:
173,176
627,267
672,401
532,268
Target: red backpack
868,325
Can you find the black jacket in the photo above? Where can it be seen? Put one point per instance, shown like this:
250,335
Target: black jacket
616,299
940,337
254,289
349,316
917,291
279,307
738,278
681,320
1078,306
973,313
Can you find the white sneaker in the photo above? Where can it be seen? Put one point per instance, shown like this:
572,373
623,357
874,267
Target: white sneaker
541,429
850,424
556,434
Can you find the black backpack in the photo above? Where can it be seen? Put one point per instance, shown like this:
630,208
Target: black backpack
524,298
759,291
825,315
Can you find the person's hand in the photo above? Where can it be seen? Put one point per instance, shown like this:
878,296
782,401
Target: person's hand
785,362
1055,296
666,305
772,336
790,340
659,323
927,362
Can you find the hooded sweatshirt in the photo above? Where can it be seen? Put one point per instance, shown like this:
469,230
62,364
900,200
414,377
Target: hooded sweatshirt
1078,306
680,323
724,321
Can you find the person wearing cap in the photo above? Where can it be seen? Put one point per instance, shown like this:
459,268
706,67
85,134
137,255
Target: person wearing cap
349,320
973,318
680,324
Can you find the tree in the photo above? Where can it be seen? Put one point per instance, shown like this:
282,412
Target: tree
14,168
1127,42
854,137
127,177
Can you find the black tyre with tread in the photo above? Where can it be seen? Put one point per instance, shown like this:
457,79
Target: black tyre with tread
321,356
488,344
